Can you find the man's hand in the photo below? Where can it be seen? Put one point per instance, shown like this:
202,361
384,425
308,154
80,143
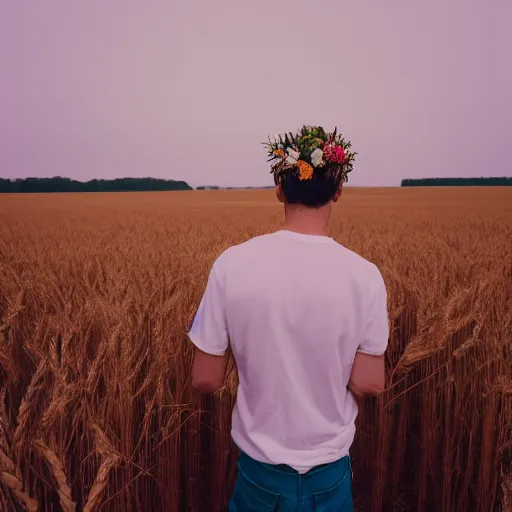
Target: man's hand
367,377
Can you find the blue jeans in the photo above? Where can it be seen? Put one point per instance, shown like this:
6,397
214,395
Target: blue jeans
266,488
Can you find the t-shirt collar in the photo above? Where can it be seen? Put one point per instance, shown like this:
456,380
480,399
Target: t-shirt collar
303,236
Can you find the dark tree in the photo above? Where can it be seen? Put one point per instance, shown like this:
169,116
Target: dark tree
58,184
457,182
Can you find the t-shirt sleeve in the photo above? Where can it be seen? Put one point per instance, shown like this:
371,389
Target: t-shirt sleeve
209,332
376,333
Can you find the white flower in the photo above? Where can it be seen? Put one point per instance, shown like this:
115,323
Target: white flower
293,156
316,157
293,153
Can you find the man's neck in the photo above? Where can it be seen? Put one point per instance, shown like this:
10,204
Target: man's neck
308,221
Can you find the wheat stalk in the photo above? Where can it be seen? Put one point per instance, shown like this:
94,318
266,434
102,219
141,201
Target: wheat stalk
6,462
57,469
100,483
110,460
14,484
506,487
27,408
10,475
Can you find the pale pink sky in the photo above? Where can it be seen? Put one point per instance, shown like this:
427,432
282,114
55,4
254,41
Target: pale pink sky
188,90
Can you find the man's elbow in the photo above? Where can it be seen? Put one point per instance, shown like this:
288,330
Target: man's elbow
367,389
206,385
376,389
368,375
208,371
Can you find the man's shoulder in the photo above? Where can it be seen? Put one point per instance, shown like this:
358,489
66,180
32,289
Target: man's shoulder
363,272
355,258
236,251
248,245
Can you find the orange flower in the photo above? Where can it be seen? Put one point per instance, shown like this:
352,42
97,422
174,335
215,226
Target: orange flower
305,170
280,153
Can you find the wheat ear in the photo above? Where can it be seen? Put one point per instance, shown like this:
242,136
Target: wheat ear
57,468
110,460
9,474
27,405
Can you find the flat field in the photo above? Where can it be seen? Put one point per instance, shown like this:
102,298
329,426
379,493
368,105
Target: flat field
97,292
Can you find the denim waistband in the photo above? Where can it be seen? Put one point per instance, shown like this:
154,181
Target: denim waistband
282,479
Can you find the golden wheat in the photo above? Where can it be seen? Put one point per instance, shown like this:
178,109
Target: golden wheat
97,292
59,474
10,475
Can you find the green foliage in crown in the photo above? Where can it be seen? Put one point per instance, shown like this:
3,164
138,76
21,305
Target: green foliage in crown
309,151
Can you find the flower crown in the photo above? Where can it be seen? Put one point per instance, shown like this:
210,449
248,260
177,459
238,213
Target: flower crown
310,151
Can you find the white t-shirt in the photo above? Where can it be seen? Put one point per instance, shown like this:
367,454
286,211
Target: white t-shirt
295,309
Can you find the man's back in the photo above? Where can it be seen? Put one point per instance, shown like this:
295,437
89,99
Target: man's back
307,322
297,309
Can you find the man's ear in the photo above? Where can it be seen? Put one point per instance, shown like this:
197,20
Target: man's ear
280,194
338,193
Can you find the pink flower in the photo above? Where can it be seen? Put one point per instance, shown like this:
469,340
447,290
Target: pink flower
334,153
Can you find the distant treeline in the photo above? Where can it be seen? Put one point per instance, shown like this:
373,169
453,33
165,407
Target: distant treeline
215,187
58,184
457,182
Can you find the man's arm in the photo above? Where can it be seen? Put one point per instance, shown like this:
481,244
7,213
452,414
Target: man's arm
209,334
208,371
367,377
368,371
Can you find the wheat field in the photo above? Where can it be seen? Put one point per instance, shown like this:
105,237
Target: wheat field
97,292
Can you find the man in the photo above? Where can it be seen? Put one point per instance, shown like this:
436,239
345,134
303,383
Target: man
307,323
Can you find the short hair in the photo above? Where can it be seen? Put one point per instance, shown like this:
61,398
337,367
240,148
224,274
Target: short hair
313,193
